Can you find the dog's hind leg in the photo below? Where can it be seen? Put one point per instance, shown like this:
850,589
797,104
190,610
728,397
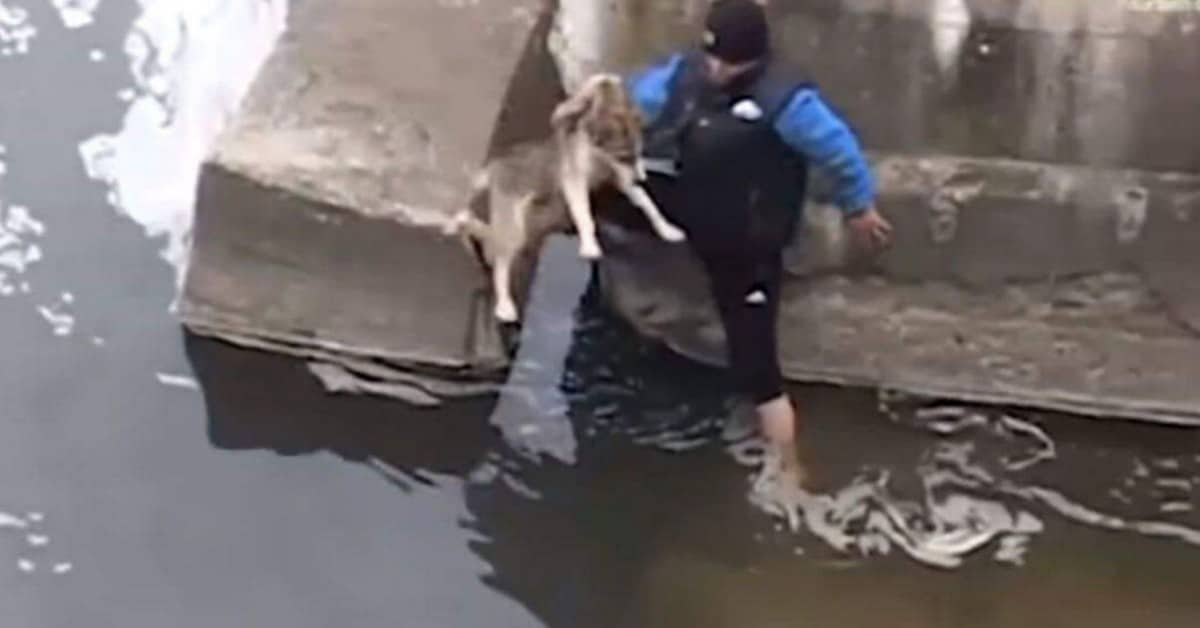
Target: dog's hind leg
509,243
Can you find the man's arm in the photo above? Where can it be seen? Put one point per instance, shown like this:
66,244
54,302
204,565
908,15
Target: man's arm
810,127
649,87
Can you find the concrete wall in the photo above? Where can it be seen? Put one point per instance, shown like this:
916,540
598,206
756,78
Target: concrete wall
1040,162
1039,159
1066,81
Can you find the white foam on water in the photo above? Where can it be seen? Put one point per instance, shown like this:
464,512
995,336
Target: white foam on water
178,381
19,248
76,13
16,30
61,321
12,521
970,496
191,62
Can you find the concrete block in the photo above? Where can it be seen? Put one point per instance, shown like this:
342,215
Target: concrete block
384,108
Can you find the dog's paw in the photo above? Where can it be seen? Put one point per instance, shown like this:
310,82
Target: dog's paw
590,249
506,312
671,233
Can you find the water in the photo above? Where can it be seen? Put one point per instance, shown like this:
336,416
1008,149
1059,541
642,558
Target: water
151,478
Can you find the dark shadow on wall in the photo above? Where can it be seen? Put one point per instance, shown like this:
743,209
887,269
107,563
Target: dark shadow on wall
535,89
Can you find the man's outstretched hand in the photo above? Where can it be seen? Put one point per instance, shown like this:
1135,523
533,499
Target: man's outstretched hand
870,229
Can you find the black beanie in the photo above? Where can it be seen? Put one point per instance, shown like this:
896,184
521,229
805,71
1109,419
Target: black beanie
736,31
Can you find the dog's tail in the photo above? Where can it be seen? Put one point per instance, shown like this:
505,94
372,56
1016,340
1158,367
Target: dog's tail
455,224
466,225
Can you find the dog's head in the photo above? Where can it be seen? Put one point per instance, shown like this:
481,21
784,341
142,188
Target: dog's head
603,113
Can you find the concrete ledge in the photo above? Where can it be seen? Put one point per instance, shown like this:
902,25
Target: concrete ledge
288,271
1010,282
386,108
1064,283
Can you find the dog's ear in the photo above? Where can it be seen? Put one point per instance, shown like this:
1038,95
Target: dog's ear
568,113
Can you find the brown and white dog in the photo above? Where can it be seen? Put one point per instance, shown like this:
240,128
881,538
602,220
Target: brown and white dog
535,189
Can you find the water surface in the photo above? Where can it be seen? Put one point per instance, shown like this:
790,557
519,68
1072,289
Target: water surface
151,478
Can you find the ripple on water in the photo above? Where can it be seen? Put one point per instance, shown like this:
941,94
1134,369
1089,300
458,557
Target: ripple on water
983,482
976,490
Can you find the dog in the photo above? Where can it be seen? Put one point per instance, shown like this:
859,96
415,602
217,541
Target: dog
539,188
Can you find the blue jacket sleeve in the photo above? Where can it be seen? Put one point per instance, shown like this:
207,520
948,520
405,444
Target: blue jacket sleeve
809,126
649,87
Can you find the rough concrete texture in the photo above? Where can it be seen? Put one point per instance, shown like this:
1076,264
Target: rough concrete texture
316,214
383,107
1109,84
1099,344
378,298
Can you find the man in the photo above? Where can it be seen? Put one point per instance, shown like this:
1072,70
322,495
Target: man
730,134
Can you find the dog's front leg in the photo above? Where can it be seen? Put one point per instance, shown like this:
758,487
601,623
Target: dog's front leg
575,191
639,197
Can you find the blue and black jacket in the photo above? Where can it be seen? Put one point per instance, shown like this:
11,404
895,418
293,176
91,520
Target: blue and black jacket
742,152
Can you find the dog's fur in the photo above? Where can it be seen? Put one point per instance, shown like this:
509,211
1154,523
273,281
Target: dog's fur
538,188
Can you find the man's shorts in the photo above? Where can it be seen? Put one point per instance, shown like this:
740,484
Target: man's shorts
747,295
744,283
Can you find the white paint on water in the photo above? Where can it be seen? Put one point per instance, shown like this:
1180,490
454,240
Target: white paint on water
191,62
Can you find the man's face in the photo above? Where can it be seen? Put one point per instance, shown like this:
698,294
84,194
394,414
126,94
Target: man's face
722,73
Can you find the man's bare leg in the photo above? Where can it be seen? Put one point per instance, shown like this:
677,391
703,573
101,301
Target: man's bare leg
777,420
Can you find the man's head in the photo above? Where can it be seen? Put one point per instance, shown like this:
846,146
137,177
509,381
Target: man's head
736,38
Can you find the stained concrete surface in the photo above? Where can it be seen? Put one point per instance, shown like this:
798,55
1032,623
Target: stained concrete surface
383,107
298,272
